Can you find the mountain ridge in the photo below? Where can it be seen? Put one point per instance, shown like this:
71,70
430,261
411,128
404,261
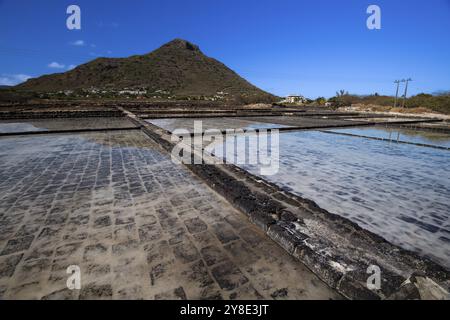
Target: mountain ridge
178,67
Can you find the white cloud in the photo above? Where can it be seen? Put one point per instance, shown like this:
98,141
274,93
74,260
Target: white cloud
13,79
78,43
56,65
72,66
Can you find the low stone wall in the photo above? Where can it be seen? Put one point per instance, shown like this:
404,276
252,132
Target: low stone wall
334,248
208,115
48,132
8,115
244,113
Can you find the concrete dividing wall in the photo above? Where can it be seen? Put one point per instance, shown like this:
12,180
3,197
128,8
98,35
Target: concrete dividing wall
6,115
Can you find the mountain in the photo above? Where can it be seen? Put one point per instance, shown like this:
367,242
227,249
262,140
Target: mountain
178,67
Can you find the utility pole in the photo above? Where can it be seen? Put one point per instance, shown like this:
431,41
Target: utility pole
406,91
396,93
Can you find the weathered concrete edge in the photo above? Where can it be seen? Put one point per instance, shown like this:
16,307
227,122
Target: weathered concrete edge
13,115
49,132
279,223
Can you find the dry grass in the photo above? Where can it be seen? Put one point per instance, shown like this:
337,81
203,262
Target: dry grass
258,106
378,108
418,110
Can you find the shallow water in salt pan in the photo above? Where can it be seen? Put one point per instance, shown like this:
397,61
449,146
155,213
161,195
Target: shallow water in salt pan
220,123
399,191
408,135
61,124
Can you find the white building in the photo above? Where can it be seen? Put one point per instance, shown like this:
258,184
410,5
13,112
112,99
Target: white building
295,99
133,92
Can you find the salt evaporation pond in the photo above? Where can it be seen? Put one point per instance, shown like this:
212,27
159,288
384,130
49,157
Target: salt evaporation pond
398,191
221,123
407,135
61,124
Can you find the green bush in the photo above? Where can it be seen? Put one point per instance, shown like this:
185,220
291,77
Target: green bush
438,103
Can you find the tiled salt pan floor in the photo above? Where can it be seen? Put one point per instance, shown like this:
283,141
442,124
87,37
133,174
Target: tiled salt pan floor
138,226
27,125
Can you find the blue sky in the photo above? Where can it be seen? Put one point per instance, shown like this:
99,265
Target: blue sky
309,47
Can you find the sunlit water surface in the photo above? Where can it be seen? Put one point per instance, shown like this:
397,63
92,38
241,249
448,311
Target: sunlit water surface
222,123
408,135
399,191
